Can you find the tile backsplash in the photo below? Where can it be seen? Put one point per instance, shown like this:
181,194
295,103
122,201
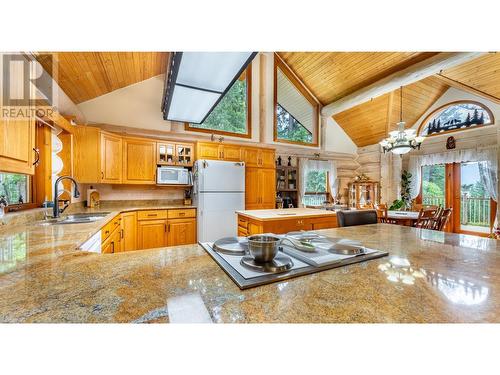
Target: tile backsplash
133,193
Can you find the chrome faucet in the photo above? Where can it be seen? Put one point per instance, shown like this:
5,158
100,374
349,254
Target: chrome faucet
76,193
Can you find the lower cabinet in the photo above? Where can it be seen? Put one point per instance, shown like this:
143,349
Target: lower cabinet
149,229
113,243
181,232
151,234
129,231
247,226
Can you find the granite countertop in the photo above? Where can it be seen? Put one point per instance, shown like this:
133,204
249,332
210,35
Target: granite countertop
284,214
428,277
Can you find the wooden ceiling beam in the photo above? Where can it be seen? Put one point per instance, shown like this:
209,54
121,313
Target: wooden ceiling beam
467,88
412,74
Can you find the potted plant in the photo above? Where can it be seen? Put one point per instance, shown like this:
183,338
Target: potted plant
405,202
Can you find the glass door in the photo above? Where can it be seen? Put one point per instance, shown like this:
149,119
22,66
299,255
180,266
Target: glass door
434,185
459,186
475,203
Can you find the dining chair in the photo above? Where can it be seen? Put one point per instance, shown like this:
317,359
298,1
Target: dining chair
381,212
425,218
444,217
355,217
434,222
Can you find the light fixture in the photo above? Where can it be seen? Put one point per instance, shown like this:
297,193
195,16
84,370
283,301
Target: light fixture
403,140
195,82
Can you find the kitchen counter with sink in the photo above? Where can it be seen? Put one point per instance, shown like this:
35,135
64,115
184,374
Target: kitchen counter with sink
428,277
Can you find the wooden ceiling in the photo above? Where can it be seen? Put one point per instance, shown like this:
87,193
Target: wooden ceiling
87,75
370,122
333,75
482,74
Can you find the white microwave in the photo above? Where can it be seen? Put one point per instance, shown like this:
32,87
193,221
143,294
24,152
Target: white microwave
173,176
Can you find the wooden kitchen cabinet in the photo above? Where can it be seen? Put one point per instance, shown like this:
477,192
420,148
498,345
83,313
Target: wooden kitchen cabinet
249,225
151,233
181,232
181,154
208,151
113,243
17,134
129,231
86,154
231,152
139,161
111,158
218,151
260,189
258,157
17,145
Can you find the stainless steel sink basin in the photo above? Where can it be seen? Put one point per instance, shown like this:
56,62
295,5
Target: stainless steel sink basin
76,219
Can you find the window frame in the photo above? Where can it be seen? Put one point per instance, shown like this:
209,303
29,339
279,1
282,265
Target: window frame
30,193
279,64
450,104
248,134
327,193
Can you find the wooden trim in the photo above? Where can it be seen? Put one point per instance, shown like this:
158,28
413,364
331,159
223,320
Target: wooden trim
20,207
422,124
248,134
278,63
467,88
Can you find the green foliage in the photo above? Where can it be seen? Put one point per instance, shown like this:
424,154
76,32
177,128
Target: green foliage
230,114
405,189
475,190
289,128
13,187
316,182
431,189
397,205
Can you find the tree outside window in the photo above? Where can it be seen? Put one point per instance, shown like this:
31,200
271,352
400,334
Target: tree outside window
231,113
14,188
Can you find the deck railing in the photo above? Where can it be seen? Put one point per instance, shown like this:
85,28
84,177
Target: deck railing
474,211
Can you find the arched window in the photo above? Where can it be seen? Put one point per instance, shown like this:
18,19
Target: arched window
454,116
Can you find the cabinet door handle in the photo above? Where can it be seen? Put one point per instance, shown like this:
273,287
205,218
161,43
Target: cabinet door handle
102,175
169,228
121,233
37,159
113,247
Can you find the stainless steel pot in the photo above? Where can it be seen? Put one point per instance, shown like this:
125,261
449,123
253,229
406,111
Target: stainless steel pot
263,248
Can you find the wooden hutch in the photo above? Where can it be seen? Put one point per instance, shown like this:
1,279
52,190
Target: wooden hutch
363,194
287,180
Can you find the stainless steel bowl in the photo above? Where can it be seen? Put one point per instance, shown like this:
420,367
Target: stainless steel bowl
263,248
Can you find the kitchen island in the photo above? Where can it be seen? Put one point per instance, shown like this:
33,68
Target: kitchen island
284,220
428,277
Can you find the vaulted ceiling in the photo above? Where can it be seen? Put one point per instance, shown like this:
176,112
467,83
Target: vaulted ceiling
328,75
369,122
333,75
87,75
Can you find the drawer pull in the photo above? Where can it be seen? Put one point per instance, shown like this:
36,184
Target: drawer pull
182,214
152,215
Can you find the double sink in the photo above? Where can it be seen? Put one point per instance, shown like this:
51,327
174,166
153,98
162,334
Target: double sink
76,219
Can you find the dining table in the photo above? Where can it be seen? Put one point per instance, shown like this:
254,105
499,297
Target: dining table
406,218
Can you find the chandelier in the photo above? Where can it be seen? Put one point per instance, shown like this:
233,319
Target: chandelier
403,140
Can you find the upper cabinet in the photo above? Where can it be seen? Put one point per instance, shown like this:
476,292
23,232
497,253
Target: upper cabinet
180,154
17,146
17,134
205,150
139,165
258,157
219,151
111,158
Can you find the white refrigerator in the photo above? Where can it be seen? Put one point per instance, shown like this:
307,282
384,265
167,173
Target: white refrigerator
218,192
